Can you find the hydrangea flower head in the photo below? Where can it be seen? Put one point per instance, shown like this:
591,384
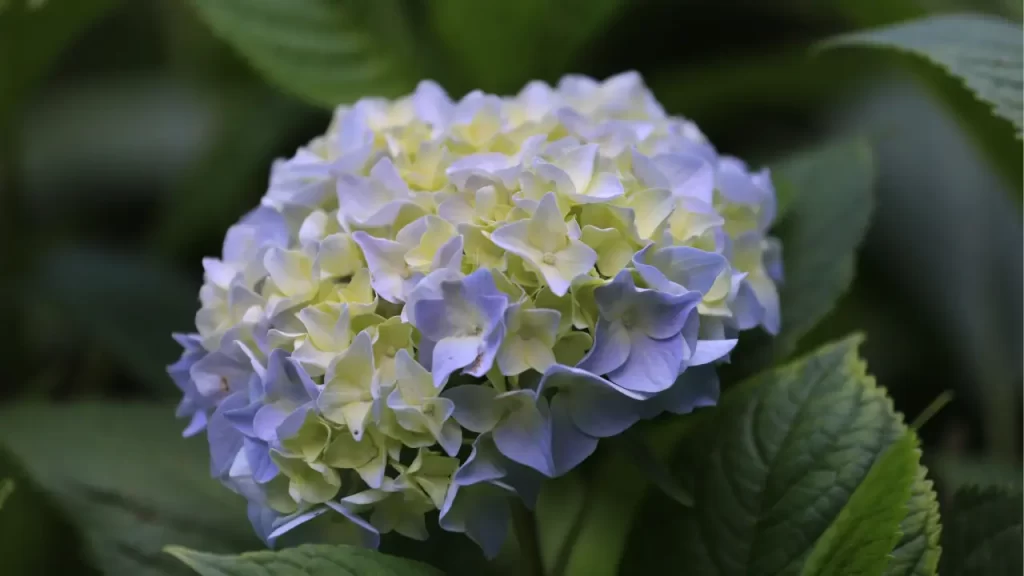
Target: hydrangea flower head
439,303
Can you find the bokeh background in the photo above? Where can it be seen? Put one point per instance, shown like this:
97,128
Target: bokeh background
132,138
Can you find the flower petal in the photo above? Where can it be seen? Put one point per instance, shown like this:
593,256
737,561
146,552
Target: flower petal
695,388
610,351
524,433
453,353
708,351
569,445
652,366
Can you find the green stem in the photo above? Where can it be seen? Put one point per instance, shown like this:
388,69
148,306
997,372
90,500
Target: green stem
932,409
526,534
617,489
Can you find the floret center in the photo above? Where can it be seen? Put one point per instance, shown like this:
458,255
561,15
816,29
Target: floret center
628,320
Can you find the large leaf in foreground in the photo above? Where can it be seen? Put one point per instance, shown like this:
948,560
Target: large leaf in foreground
31,525
982,533
127,481
326,51
985,52
775,468
303,560
917,553
868,527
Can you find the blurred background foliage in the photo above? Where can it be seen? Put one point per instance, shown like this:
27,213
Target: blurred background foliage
133,136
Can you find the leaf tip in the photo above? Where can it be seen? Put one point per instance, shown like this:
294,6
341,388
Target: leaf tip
184,555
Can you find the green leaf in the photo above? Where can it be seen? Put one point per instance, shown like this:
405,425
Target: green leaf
825,224
828,204
128,305
307,559
917,553
776,467
982,533
503,45
31,526
32,38
632,444
985,52
868,527
325,51
128,481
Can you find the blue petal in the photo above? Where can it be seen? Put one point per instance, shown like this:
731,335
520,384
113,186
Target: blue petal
225,440
747,311
679,268
242,418
450,438
523,481
484,464
257,453
477,502
696,388
450,354
612,297
267,419
734,182
219,373
708,351
610,350
652,366
654,277
196,425
449,255
491,344
431,318
192,352
261,227
492,307
481,511
481,282
293,422
524,433
262,519
444,321
425,353
662,315
285,524
284,379
569,445
596,406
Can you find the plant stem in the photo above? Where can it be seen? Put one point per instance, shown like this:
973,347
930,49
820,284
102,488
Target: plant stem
526,535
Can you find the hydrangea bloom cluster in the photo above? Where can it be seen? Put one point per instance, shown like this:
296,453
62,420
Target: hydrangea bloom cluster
440,303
